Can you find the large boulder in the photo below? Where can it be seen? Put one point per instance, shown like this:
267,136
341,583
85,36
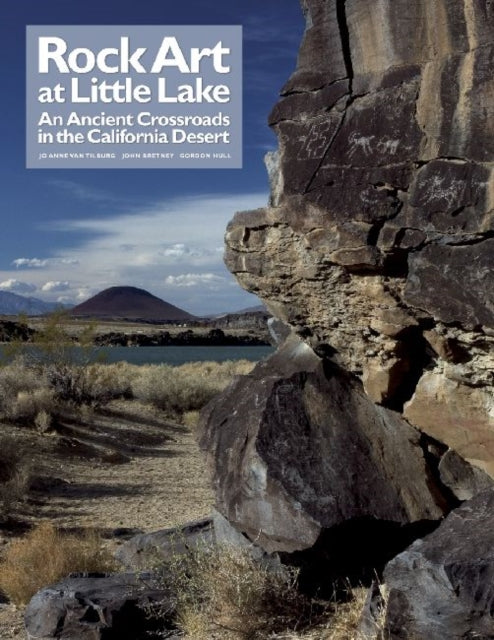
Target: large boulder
297,448
377,246
443,586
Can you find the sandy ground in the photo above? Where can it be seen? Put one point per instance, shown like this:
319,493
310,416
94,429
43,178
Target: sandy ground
121,471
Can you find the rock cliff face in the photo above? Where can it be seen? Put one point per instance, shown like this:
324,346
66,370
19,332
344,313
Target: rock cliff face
378,244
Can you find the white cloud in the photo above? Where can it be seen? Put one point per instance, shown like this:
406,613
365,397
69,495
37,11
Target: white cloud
33,263
16,286
195,279
83,294
56,286
178,250
37,263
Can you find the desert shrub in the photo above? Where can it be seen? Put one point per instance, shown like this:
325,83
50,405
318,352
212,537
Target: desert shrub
37,387
43,421
222,592
90,384
14,475
29,405
169,389
24,392
29,387
190,418
64,365
45,556
186,388
104,382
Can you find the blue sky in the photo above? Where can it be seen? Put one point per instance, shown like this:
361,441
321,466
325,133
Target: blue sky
67,234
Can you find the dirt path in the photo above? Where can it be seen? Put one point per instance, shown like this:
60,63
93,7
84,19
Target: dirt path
120,471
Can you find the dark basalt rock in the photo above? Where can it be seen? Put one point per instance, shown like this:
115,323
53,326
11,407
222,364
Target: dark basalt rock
214,337
443,586
98,607
15,331
468,271
376,250
463,479
297,448
144,550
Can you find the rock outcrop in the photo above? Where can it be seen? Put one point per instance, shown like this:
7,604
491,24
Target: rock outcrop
189,337
145,550
443,586
378,244
15,332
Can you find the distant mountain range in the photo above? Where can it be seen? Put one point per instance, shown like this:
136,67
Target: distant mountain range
129,303
258,308
12,304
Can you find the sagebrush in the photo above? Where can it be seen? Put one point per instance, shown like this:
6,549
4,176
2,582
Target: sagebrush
32,392
223,592
45,556
189,387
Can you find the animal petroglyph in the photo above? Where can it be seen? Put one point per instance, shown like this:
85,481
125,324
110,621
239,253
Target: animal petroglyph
367,146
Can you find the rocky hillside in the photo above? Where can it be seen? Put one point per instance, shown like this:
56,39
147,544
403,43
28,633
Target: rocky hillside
12,304
129,303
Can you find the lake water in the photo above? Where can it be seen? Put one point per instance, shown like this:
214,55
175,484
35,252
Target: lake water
175,355
181,355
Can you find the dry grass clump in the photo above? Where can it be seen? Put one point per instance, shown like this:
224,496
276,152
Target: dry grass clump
224,593
344,620
91,384
45,556
224,372
189,387
190,419
107,381
34,392
24,392
14,475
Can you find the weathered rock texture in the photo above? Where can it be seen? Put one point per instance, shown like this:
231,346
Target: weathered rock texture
145,550
443,586
378,244
99,607
297,448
